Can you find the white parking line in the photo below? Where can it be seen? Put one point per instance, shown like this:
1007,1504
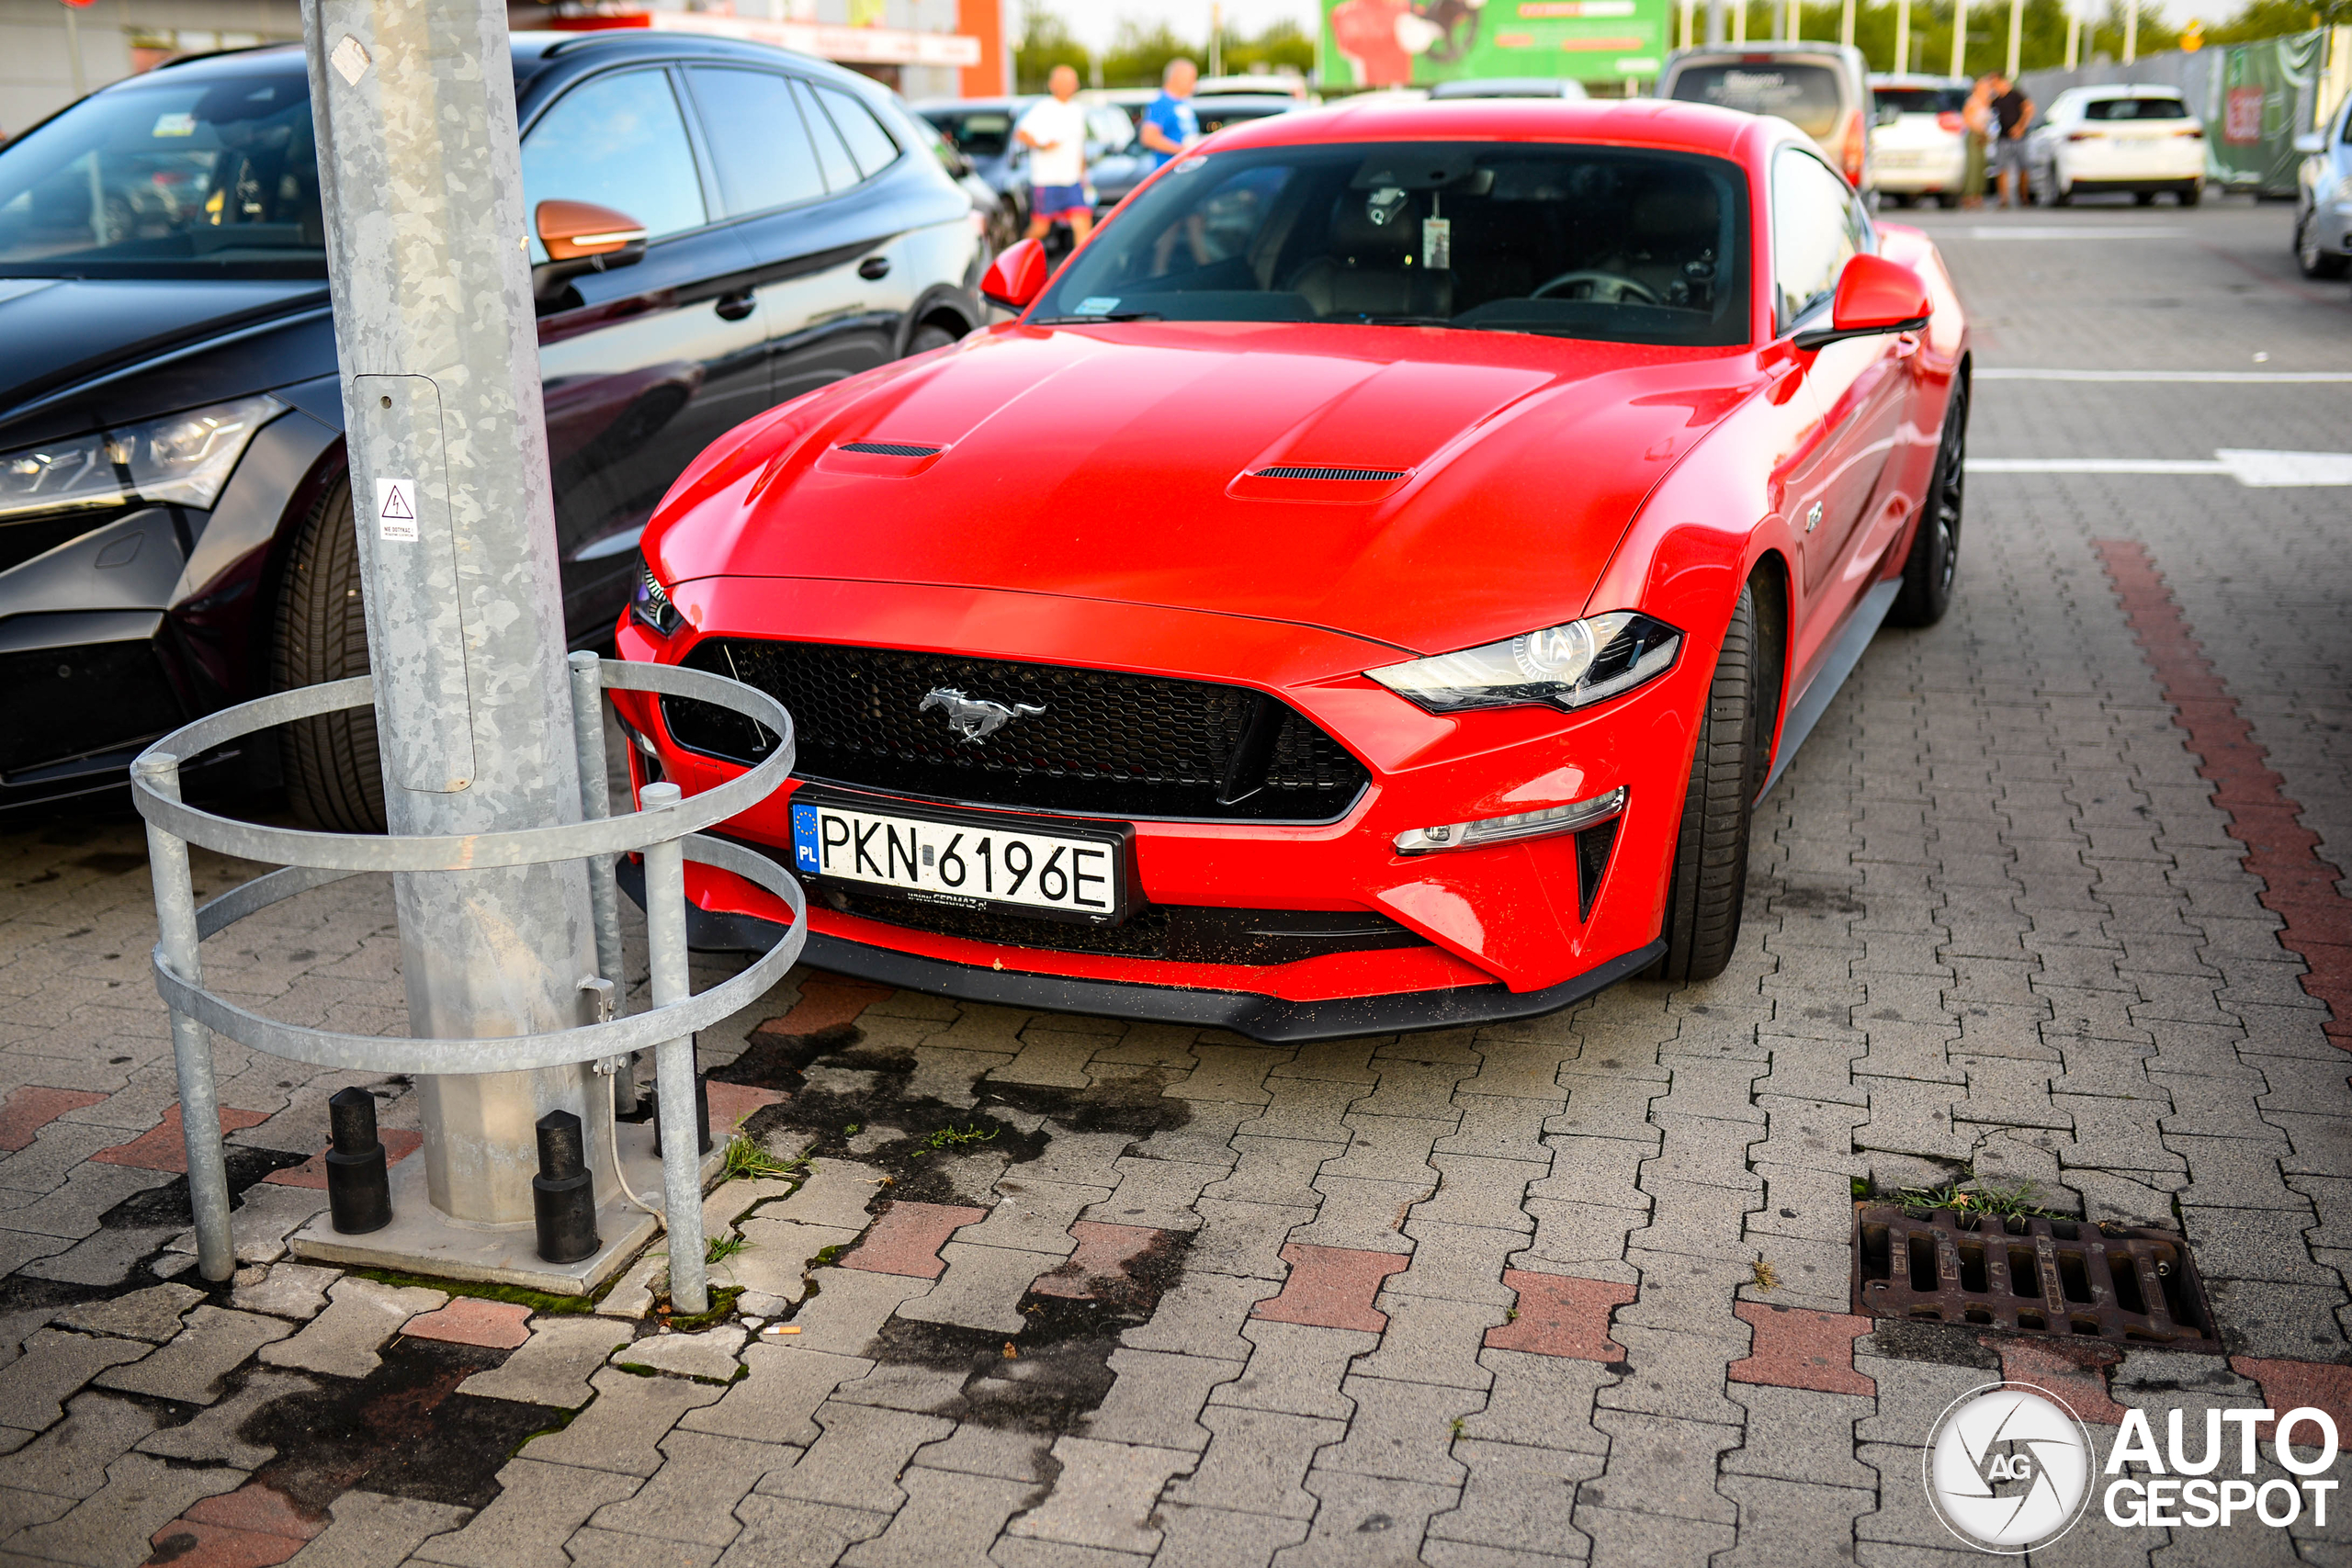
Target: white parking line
2076,231
2165,377
2256,470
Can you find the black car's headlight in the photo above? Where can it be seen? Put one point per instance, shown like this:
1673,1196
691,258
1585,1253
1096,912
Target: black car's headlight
184,458
648,603
1570,666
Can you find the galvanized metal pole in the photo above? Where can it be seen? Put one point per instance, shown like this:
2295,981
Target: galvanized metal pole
208,1175
421,187
673,1061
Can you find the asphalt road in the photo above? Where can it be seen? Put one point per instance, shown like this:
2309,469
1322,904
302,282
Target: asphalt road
2054,899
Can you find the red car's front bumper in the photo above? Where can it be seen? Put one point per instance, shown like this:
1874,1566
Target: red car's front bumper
1494,932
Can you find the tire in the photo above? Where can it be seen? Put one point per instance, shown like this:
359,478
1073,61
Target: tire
1947,200
2189,196
2143,198
2314,262
927,336
334,779
1934,561
1709,880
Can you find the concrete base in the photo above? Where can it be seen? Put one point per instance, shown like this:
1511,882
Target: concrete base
422,1240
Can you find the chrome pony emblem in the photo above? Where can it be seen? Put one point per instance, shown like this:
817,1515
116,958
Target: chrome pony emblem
975,719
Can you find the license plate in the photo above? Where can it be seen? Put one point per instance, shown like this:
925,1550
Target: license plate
1018,863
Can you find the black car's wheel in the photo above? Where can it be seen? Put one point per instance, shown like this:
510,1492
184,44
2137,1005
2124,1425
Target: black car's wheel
332,778
2314,262
1934,561
1710,875
927,336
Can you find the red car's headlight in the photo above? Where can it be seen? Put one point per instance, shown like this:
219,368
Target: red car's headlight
1569,666
648,603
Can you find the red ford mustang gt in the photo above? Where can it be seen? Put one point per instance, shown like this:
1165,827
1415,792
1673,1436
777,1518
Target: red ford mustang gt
1367,589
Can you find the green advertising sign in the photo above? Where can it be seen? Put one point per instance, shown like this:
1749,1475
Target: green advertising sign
1397,43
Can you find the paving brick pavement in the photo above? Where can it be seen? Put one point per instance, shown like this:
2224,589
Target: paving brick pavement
1574,1290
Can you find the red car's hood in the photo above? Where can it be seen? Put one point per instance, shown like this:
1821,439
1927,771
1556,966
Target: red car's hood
1123,464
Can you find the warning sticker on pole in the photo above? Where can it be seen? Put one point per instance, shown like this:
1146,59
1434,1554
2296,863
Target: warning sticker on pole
396,509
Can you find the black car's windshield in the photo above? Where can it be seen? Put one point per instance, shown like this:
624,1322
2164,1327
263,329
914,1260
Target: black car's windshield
1807,96
977,133
189,178
1609,243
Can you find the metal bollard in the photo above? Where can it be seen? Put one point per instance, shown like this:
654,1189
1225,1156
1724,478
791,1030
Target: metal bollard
702,1116
596,801
563,1196
359,1187
208,1171
673,1061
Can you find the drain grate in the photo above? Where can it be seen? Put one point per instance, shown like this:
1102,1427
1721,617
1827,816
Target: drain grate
2040,1276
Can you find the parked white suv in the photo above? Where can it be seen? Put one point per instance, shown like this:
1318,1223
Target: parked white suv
1821,88
2140,140
1918,146
2323,196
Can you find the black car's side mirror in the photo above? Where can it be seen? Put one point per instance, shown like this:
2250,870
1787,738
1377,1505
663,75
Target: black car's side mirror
581,236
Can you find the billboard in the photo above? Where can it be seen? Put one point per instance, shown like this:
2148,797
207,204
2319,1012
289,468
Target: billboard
1397,43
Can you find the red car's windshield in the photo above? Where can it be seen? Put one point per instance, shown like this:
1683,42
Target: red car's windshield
1618,244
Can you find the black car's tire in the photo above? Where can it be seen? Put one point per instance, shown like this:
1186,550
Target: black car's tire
928,337
334,780
1933,564
1709,882
2314,262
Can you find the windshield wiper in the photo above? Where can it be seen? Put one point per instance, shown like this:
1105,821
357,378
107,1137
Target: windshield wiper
1084,321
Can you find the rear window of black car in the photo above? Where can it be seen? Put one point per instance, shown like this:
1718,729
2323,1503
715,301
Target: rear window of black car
2135,109
1612,244
1806,96
172,177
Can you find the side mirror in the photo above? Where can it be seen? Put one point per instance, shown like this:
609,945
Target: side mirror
581,236
1874,297
2310,143
1017,276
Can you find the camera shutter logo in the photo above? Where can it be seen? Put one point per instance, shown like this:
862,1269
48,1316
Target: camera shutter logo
2008,1469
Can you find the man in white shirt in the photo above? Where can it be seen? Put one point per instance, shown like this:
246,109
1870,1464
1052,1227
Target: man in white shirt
1054,129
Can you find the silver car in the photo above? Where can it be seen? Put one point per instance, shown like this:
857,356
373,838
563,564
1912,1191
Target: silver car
2323,196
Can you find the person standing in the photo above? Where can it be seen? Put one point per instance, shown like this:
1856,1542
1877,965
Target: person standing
1168,125
1977,120
2013,111
1054,129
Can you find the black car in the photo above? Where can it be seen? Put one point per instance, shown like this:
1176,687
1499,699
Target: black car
175,530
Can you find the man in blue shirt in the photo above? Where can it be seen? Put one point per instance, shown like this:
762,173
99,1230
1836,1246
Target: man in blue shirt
1169,124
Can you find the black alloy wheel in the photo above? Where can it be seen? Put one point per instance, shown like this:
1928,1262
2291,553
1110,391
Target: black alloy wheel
334,780
2313,261
1709,883
1934,560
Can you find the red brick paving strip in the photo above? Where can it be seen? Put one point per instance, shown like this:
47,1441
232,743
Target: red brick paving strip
250,1527
1103,1251
1332,1287
162,1148
469,1320
827,1001
399,1143
1795,1348
32,1107
2292,1385
906,1239
2074,1376
2298,885
731,1105
1560,1315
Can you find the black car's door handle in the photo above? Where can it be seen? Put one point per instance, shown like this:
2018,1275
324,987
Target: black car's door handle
735,306
873,267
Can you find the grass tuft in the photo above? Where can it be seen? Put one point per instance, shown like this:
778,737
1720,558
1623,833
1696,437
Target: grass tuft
746,1159
2020,1201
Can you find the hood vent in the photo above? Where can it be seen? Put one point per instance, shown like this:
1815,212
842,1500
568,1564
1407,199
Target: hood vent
1361,476
891,448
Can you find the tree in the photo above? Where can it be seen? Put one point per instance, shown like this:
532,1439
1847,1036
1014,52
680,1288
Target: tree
1046,42
1283,46
1136,56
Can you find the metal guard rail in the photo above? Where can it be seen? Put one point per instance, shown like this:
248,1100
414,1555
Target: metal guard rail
667,830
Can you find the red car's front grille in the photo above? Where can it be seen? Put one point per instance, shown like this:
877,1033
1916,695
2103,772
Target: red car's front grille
1095,741
1183,933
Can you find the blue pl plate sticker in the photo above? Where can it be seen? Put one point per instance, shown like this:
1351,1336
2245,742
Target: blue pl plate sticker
804,839
1098,304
